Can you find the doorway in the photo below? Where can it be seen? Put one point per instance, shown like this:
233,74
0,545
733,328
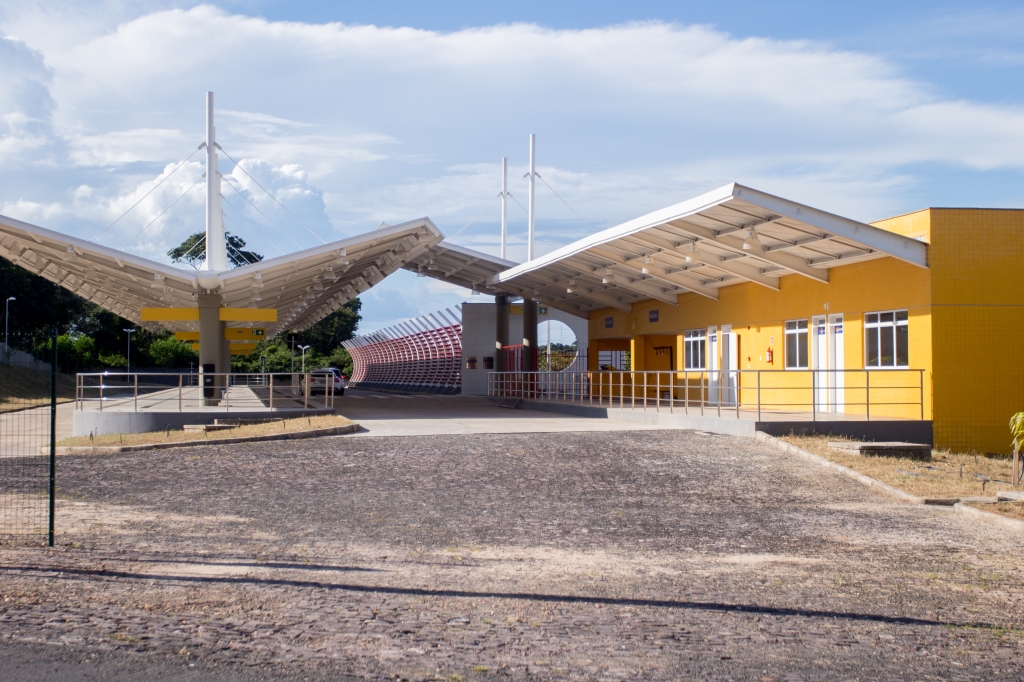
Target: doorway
829,384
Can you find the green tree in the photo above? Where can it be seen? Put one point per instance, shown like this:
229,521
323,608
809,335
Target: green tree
193,251
169,352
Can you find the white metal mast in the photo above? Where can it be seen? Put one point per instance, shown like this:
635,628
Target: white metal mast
216,247
533,175
504,206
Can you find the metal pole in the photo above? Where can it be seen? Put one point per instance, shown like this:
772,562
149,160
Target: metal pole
814,396
531,207
758,395
180,382
136,389
920,382
271,392
53,441
504,207
867,394
216,249
7,319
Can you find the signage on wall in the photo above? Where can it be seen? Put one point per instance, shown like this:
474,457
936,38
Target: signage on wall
652,316
608,322
542,310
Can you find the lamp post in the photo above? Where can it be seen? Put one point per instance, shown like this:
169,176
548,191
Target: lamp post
7,316
303,349
128,369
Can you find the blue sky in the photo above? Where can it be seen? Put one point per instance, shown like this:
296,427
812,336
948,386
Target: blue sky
358,113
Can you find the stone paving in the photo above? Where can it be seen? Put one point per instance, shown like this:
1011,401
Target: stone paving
608,556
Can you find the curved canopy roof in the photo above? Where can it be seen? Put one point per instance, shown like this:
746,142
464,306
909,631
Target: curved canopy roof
304,287
730,235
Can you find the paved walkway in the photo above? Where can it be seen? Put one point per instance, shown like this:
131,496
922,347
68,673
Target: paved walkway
382,414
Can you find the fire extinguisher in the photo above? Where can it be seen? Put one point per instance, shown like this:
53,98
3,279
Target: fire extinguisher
770,354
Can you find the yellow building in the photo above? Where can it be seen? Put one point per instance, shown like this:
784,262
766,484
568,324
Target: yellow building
916,317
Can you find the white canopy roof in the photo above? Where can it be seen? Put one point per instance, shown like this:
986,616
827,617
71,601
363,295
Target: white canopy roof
730,235
304,287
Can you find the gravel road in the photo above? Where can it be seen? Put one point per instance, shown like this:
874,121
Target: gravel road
619,555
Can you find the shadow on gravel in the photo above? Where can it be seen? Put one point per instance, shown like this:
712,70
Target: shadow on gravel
562,598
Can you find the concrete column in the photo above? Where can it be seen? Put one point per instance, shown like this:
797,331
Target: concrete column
211,337
530,334
501,332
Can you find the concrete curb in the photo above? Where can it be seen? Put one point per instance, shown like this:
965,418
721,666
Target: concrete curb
989,517
111,449
845,471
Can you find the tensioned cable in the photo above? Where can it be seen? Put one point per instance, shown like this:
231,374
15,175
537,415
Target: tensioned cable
239,192
463,228
237,165
148,193
261,213
268,240
161,215
167,231
564,201
182,256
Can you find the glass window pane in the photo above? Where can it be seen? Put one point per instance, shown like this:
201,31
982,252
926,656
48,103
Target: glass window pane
700,356
791,355
902,346
901,315
872,344
886,352
801,324
791,325
803,348
871,318
885,317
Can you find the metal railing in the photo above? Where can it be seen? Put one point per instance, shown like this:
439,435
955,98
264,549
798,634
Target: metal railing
753,393
161,392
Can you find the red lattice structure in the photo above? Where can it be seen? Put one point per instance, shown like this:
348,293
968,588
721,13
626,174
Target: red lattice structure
421,356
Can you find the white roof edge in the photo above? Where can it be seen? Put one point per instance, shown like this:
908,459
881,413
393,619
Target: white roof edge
890,243
473,253
659,217
106,251
382,233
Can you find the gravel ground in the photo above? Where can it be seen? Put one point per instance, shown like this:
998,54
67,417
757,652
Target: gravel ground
645,555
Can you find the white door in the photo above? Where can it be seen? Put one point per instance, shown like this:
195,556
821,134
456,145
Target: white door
837,393
730,363
820,362
712,365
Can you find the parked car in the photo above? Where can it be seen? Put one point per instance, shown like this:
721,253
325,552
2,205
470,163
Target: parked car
319,378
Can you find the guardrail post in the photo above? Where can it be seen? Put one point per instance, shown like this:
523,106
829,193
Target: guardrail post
814,396
867,393
305,397
672,393
758,395
920,383
101,392
181,380
227,393
271,392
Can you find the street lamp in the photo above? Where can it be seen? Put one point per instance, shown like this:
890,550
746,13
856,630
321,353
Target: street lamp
128,369
7,311
303,349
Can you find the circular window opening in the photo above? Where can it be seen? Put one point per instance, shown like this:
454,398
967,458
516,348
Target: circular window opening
557,346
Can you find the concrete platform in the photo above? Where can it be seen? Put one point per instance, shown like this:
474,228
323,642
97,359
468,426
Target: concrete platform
886,449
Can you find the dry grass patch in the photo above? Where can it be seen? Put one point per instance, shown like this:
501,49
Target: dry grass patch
982,475
1015,510
21,387
181,436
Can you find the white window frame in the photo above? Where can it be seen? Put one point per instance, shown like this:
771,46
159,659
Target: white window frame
699,338
797,331
873,324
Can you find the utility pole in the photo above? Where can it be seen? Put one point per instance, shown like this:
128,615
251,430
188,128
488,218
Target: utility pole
303,349
533,177
504,207
128,369
7,322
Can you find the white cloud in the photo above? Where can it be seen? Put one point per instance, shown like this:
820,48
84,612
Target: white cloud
352,125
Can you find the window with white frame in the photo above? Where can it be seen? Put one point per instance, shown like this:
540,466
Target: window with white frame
886,340
694,346
796,344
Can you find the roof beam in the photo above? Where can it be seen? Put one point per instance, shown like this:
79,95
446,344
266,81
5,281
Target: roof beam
634,285
747,272
602,298
687,282
786,260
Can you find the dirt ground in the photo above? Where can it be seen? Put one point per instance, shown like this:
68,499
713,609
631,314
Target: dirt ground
660,555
